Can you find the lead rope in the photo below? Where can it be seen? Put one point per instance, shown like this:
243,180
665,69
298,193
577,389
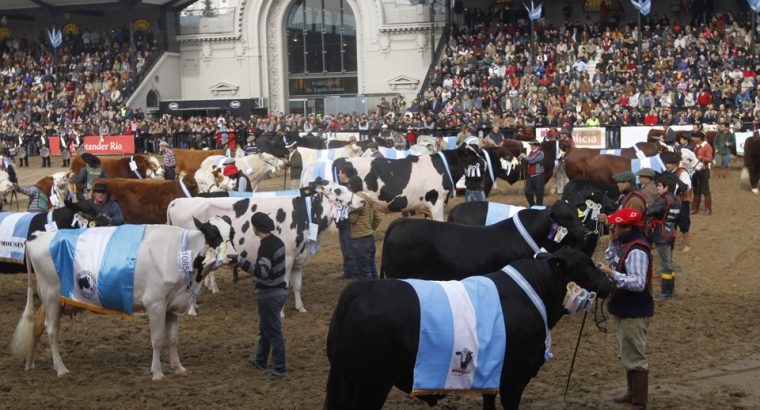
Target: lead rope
539,304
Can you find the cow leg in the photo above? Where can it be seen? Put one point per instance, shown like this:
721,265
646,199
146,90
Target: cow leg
157,317
436,212
52,319
39,327
511,394
172,329
297,278
489,402
340,390
235,276
371,395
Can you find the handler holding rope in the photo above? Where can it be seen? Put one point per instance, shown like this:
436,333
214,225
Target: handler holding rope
628,264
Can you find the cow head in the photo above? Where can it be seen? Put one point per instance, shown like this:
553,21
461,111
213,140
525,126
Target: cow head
155,169
275,164
6,186
218,234
575,266
79,214
60,181
566,215
221,182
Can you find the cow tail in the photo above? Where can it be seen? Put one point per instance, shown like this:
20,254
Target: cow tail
23,337
382,259
347,297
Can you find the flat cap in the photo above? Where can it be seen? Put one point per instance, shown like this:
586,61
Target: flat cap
625,176
646,172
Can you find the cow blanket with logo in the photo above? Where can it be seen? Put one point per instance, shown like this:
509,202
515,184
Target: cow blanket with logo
96,267
14,227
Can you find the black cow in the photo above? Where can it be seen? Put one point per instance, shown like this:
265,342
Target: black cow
424,249
63,218
752,162
374,332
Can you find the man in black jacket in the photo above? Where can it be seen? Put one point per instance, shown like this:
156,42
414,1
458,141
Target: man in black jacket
269,271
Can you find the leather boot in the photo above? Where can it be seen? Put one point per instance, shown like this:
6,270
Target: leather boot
686,242
695,204
625,397
708,205
667,285
639,389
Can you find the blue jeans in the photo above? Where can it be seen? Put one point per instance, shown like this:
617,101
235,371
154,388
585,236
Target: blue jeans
346,248
270,334
471,196
364,252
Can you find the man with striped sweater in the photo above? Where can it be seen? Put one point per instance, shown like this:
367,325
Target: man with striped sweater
269,271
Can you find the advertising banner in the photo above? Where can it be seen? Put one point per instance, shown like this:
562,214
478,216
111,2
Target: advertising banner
109,145
592,137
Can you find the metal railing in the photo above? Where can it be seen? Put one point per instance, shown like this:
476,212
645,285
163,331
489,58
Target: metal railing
219,21
135,82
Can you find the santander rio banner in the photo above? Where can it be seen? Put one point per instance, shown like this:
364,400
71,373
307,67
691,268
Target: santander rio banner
109,145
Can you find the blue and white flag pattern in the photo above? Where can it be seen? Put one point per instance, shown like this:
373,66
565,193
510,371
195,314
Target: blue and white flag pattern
269,194
643,6
654,162
534,13
392,153
462,336
97,267
55,37
14,226
754,5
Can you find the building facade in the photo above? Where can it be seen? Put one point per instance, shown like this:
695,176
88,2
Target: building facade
308,55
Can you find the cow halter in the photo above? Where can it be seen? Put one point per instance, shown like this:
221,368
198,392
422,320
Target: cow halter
533,296
524,233
184,188
133,166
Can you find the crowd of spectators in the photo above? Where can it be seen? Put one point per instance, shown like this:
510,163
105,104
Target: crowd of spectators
692,69
80,87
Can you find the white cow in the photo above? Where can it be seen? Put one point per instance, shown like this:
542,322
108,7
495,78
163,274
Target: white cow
155,169
60,189
6,186
256,167
289,215
159,286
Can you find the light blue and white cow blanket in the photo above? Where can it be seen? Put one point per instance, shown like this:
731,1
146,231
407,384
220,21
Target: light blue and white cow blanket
96,267
14,227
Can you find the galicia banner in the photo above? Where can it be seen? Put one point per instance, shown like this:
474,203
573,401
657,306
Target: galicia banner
109,145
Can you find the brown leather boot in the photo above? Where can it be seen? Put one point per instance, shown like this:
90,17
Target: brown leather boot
708,205
625,397
695,204
639,389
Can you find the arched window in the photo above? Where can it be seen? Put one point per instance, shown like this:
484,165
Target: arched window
321,36
151,101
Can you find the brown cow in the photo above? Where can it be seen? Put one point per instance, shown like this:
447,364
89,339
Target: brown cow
656,135
189,160
752,162
116,167
144,201
577,158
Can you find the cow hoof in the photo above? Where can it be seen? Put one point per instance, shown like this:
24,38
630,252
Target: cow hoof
63,372
302,309
756,191
180,371
157,377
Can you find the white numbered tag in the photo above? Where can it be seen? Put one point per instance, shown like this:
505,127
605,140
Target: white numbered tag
51,227
184,261
313,231
133,165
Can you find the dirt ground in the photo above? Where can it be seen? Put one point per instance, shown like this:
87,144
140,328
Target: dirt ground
704,345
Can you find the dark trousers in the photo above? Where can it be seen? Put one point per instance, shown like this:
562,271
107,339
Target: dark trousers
534,187
684,219
24,162
364,253
170,173
270,334
701,183
346,248
46,162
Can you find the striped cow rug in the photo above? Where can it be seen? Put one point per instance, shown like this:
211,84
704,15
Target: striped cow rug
96,267
14,227
462,337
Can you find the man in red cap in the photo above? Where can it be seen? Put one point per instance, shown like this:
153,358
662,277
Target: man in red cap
628,264
242,182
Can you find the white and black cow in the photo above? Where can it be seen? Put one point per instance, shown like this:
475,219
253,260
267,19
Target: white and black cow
374,333
414,183
289,215
70,216
159,286
425,249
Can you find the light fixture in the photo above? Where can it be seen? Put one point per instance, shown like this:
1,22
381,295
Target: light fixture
4,20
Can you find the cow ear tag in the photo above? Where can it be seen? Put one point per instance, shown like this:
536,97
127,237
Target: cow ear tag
133,165
51,227
92,224
561,233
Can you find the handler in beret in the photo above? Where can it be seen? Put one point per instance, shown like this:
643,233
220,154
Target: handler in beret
269,271
630,197
628,262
